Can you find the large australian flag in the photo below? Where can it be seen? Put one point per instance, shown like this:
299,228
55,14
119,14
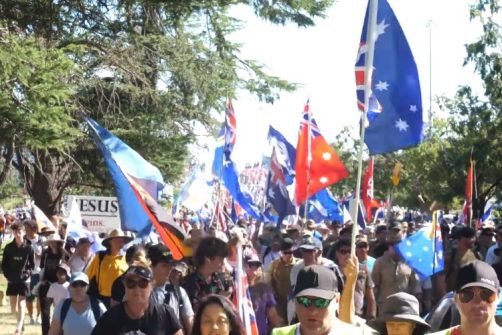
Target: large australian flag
394,120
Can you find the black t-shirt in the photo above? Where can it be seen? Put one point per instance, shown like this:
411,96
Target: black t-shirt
157,320
50,263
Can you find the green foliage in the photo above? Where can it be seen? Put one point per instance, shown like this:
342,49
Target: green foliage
148,70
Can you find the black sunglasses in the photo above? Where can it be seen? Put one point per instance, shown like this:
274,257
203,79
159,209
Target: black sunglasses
130,283
466,295
287,252
78,284
344,251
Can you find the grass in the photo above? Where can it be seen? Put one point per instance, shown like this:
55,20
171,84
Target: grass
7,320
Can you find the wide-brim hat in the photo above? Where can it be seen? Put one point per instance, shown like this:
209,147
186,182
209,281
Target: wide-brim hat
116,233
54,238
400,307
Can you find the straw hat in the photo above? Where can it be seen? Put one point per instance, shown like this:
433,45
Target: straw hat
116,233
400,307
54,238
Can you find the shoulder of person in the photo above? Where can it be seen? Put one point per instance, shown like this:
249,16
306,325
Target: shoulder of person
450,331
287,330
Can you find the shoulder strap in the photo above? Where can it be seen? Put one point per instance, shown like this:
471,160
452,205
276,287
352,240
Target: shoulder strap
95,308
64,310
101,255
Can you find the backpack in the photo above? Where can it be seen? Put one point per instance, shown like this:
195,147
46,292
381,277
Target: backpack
66,306
171,290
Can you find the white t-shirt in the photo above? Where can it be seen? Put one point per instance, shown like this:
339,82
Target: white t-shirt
78,324
58,292
78,264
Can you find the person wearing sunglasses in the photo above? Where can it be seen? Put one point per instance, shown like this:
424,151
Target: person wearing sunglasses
278,276
476,297
78,314
364,298
316,298
137,315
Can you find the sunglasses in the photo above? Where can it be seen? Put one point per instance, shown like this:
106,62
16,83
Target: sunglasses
287,252
130,284
316,302
485,294
78,284
362,246
254,264
344,251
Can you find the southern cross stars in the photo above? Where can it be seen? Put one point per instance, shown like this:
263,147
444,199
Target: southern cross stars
382,85
401,125
413,108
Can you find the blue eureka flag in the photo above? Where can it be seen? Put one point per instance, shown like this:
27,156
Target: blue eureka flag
394,119
423,251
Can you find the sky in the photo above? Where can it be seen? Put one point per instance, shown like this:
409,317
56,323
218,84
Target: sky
321,59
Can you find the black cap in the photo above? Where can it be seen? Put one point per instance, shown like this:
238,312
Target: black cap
464,231
159,253
140,271
316,281
287,244
477,273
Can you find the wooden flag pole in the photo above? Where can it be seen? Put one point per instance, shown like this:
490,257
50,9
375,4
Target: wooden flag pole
368,74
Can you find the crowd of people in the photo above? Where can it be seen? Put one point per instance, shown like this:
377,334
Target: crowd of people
302,279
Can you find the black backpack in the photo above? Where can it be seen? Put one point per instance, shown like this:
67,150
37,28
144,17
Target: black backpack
172,290
66,306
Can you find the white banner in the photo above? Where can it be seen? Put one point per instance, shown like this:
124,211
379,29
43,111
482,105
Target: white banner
99,214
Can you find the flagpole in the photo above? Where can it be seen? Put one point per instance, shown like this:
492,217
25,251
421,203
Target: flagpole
368,74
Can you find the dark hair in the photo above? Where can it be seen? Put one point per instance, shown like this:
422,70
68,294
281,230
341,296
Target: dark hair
236,327
31,223
210,247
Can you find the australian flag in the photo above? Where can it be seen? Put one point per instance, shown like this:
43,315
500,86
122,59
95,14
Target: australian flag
277,194
423,251
226,139
394,119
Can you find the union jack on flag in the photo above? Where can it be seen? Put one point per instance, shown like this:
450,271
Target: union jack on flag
230,128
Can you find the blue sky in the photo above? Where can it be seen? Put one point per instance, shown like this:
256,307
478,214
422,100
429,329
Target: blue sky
321,59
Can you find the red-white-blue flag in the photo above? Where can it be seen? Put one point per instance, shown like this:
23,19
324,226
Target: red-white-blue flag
317,163
242,298
394,118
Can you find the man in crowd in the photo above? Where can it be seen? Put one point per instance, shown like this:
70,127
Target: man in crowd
391,275
364,298
167,292
137,314
109,265
461,255
311,251
378,246
491,258
279,276
35,241
476,297
316,299
82,256
208,276
17,264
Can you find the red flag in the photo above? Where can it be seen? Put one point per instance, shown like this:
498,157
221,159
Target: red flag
317,164
468,193
367,192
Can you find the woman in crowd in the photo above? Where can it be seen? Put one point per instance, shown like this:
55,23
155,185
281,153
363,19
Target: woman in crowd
216,316
264,303
400,316
51,258
79,314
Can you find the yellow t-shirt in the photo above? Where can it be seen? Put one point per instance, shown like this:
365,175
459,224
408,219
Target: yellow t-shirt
110,269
